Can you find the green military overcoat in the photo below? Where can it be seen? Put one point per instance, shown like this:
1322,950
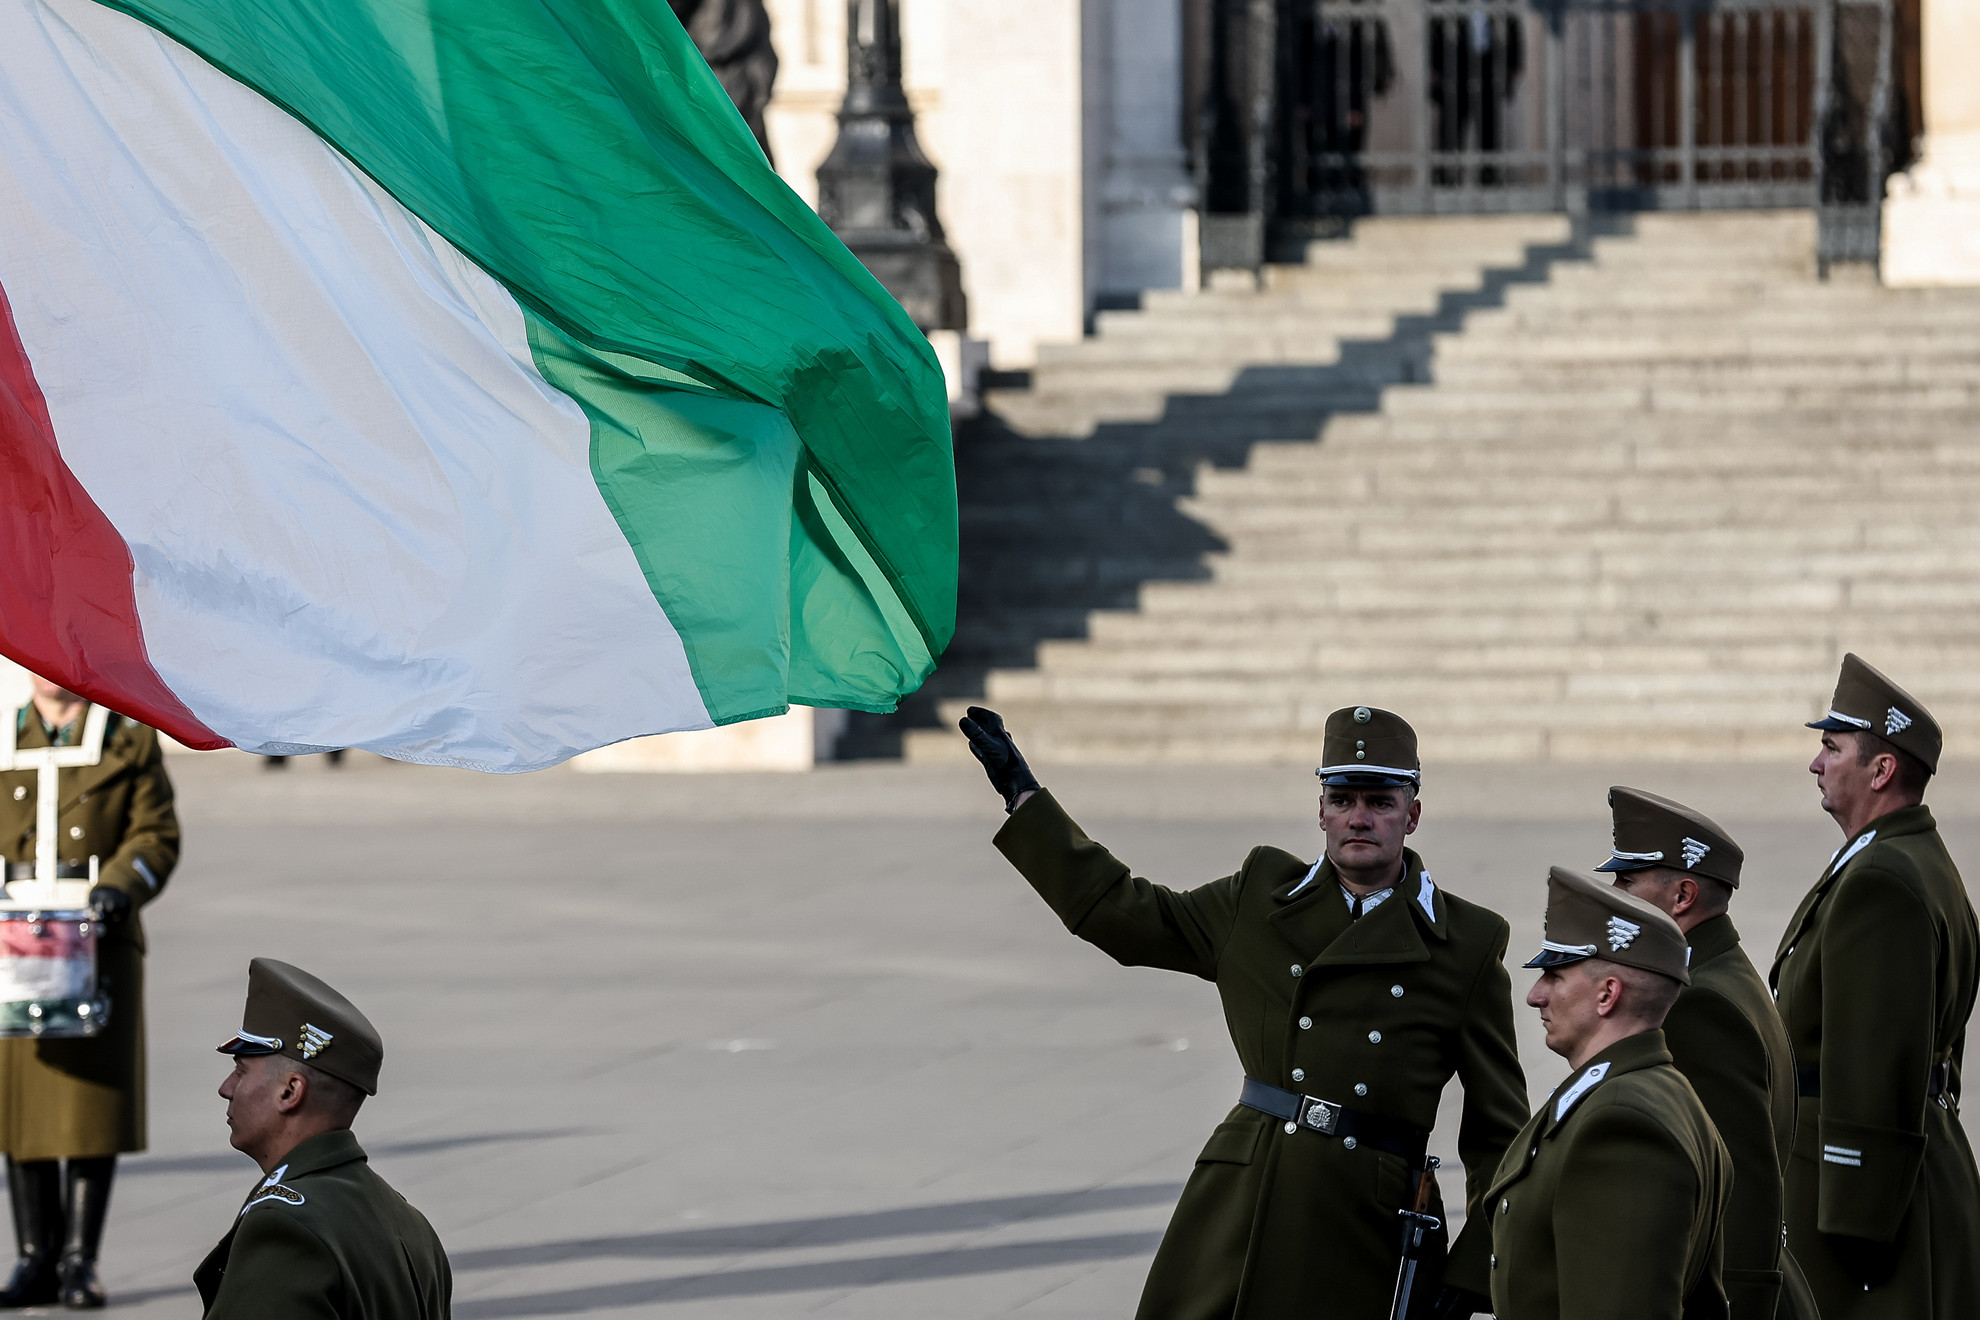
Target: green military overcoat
1611,1201
322,1237
80,1098
1728,1042
1875,981
1376,1014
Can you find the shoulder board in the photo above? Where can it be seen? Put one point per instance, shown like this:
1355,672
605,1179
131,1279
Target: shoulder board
278,1192
1583,1084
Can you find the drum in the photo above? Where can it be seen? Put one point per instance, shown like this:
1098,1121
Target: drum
48,975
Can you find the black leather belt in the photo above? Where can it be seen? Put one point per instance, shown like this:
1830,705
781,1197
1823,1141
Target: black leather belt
1938,1086
1353,1126
20,871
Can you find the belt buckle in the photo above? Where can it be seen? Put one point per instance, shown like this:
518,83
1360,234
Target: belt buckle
1317,1115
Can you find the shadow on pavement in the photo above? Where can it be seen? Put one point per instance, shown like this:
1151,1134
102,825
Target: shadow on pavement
785,1234
865,1272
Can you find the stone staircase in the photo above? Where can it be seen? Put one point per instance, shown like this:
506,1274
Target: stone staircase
1610,493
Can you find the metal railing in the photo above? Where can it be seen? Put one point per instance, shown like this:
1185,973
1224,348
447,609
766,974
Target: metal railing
1332,109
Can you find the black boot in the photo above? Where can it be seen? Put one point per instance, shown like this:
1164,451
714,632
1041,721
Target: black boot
89,1202
34,1189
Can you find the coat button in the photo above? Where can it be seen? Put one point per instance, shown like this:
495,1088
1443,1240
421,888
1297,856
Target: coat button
20,792
1396,990
1361,1088
1374,1038
1533,1154
1349,1143
1299,1074
75,831
1291,1128
1306,1024
1505,1203
1495,1260
1297,970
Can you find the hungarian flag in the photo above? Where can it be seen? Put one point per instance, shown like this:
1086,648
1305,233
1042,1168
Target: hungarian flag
448,378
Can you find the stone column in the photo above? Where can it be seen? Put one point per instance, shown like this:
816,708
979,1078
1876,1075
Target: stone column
1145,193
1932,212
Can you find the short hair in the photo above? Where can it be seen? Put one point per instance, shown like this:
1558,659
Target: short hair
332,1095
1714,894
1912,774
1652,993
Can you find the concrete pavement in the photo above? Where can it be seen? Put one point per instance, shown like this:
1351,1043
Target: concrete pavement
739,1046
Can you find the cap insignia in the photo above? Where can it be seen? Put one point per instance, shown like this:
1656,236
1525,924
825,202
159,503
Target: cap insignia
314,1040
1622,933
1895,721
1694,852
1362,714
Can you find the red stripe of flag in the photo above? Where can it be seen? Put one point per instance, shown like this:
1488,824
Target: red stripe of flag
67,610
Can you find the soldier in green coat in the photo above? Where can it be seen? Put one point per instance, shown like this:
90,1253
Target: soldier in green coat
1724,1035
81,1100
1612,1199
1354,988
1875,981
320,1237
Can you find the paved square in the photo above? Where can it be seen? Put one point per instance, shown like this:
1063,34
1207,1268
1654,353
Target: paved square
740,1046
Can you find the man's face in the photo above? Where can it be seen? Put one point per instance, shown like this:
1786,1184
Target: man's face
1365,827
52,692
1845,783
251,1091
1655,885
1566,997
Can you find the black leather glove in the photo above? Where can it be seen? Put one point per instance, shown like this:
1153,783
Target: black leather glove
1866,1263
1459,1304
1001,759
109,904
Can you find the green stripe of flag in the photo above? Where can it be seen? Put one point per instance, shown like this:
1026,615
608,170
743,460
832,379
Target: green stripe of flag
768,426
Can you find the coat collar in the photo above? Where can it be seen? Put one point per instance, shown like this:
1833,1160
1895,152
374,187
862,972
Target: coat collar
76,780
1711,939
1646,1049
1891,825
325,1150
1312,916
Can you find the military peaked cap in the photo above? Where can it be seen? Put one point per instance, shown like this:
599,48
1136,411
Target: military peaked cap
1655,831
291,1013
1588,919
1867,702
1368,748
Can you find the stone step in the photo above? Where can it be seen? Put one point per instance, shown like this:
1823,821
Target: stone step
1244,593
1572,396
1623,491
1466,697
1429,631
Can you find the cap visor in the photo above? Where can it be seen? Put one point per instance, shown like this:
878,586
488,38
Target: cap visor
1555,958
1831,724
1625,864
238,1045
1362,779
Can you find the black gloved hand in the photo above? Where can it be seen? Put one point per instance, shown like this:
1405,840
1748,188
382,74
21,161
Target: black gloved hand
1866,1263
1459,1304
110,905
1001,759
